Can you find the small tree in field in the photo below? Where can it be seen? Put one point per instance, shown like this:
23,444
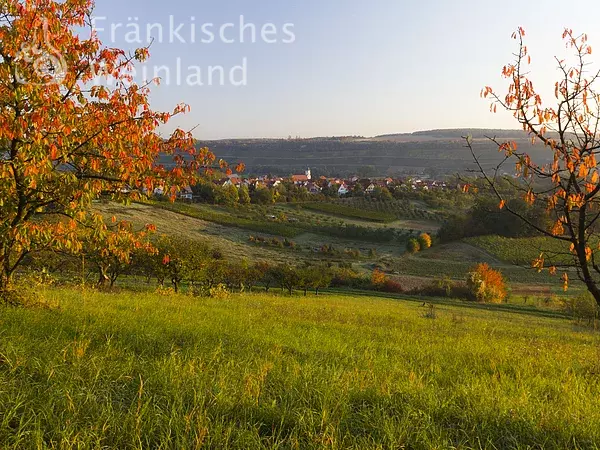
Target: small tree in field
378,278
244,195
486,284
424,241
569,186
314,277
413,246
65,140
112,252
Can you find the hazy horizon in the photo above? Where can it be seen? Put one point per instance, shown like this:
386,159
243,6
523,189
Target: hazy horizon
333,136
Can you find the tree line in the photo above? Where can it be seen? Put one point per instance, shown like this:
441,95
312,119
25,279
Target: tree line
181,264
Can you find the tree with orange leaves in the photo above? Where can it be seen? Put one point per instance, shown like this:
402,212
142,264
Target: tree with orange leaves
569,186
66,139
486,284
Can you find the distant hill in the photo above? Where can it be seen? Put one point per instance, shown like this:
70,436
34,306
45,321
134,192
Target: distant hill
436,152
451,134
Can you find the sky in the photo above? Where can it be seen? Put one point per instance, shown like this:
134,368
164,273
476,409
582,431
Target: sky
337,67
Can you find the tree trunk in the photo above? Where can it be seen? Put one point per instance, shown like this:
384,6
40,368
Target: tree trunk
588,279
102,277
6,274
5,280
592,287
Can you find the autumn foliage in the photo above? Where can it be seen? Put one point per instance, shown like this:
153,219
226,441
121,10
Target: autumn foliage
569,185
66,139
486,284
413,246
425,241
378,278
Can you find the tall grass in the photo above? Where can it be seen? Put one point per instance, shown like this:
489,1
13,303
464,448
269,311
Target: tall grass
135,371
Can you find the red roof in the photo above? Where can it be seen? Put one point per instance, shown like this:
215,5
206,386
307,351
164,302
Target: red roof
296,178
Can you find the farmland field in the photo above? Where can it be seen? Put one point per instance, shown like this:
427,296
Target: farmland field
400,209
524,250
348,211
255,371
183,221
512,256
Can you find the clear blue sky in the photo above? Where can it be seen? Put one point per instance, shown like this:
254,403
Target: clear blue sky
356,67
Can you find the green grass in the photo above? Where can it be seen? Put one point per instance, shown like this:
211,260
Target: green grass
230,220
145,371
398,208
522,251
348,211
252,218
422,266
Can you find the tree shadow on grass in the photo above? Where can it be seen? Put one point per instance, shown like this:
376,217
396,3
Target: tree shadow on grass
455,303
404,420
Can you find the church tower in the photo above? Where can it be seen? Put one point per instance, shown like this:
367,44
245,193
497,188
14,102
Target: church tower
308,174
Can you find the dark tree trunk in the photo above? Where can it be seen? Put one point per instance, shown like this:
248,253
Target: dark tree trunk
102,277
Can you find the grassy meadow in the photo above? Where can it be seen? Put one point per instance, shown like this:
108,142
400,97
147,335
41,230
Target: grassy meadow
135,370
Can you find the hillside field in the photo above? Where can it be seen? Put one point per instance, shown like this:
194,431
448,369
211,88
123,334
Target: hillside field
229,230
133,371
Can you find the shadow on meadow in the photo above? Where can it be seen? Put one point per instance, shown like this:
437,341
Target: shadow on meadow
401,420
517,309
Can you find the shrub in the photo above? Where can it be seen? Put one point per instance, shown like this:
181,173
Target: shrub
219,292
486,284
583,308
353,253
444,287
431,312
392,286
347,277
413,246
424,241
378,279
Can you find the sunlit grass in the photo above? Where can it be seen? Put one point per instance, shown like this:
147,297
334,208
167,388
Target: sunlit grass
257,371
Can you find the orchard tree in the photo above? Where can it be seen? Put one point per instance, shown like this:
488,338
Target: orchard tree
570,131
112,252
413,246
425,241
244,195
66,138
